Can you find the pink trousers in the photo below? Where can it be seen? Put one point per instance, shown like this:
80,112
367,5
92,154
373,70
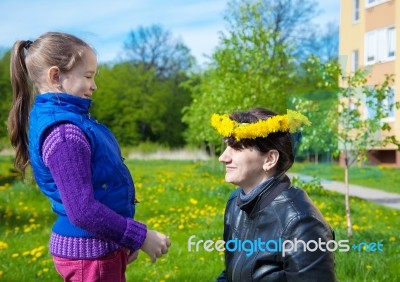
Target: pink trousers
110,268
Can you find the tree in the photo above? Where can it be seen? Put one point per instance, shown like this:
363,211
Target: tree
290,20
155,48
140,98
5,96
253,65
164,61
317,96
362,126
116,100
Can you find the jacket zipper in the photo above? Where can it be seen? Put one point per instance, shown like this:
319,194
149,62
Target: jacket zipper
241,253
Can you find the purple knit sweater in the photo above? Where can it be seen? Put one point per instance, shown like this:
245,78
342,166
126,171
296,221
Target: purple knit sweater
66,152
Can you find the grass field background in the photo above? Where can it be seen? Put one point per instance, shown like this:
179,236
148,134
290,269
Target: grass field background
379,177
181,199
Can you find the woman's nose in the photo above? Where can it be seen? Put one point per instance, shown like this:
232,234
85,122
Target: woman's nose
224,157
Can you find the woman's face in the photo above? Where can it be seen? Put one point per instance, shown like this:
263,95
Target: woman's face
244,167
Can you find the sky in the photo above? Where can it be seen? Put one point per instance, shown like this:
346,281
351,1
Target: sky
105,24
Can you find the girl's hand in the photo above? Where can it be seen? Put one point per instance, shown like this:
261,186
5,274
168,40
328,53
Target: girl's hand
156,244
131,255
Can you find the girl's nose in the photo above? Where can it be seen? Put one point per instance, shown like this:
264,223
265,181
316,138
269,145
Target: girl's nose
93,87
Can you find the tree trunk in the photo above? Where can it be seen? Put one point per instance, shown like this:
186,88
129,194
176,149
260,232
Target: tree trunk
347,198
316,158
212,154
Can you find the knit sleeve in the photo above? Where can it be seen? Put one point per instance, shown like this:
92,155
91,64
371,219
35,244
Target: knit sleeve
66,152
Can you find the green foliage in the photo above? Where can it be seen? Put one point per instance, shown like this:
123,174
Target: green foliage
250,67
5,96
316,96
362,113
138,106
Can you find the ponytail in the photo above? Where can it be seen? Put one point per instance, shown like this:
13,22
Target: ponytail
22,100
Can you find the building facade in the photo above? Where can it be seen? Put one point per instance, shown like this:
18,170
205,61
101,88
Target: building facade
368,36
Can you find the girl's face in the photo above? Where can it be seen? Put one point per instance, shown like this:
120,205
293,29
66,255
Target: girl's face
79,81
244,168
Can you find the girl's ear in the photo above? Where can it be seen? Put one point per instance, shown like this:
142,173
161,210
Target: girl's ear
271,159
53,75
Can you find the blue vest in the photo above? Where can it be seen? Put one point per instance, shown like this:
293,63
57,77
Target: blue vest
112,183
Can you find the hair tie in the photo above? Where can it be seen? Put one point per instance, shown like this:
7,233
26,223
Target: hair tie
27,44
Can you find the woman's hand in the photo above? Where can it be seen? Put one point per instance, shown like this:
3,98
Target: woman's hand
156,244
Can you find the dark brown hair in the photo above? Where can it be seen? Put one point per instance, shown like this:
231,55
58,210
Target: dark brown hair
280,141
29,64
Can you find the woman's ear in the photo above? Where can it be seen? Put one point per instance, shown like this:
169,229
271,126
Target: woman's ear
271,159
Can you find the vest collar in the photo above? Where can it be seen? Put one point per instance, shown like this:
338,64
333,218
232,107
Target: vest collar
68,102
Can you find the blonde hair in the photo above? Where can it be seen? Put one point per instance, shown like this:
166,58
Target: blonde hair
28,66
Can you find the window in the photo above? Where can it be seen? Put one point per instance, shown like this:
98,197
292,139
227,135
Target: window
380,45
391,42
356,11
354,60
370,47
387,107
372,3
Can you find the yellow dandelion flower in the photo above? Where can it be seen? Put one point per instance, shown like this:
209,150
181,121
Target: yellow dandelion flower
3,245
290,122
193,201
392,239
14,255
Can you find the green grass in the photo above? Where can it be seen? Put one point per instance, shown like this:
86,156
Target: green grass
379,177
182,199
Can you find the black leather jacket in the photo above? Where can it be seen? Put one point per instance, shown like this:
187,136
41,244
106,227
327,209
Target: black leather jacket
288,215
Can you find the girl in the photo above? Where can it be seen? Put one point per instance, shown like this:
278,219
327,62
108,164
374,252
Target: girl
76,161
266,209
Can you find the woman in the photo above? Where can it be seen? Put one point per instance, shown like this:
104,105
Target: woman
271,228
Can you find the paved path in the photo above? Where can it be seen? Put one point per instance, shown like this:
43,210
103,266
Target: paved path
391,200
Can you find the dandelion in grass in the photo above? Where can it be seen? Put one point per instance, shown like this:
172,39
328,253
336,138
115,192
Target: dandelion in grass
193,201
392,239
3,245
15,255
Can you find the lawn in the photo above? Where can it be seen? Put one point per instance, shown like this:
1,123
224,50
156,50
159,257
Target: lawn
379,177
181,199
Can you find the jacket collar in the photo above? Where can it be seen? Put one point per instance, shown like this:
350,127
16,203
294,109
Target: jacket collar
66,101
266,195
